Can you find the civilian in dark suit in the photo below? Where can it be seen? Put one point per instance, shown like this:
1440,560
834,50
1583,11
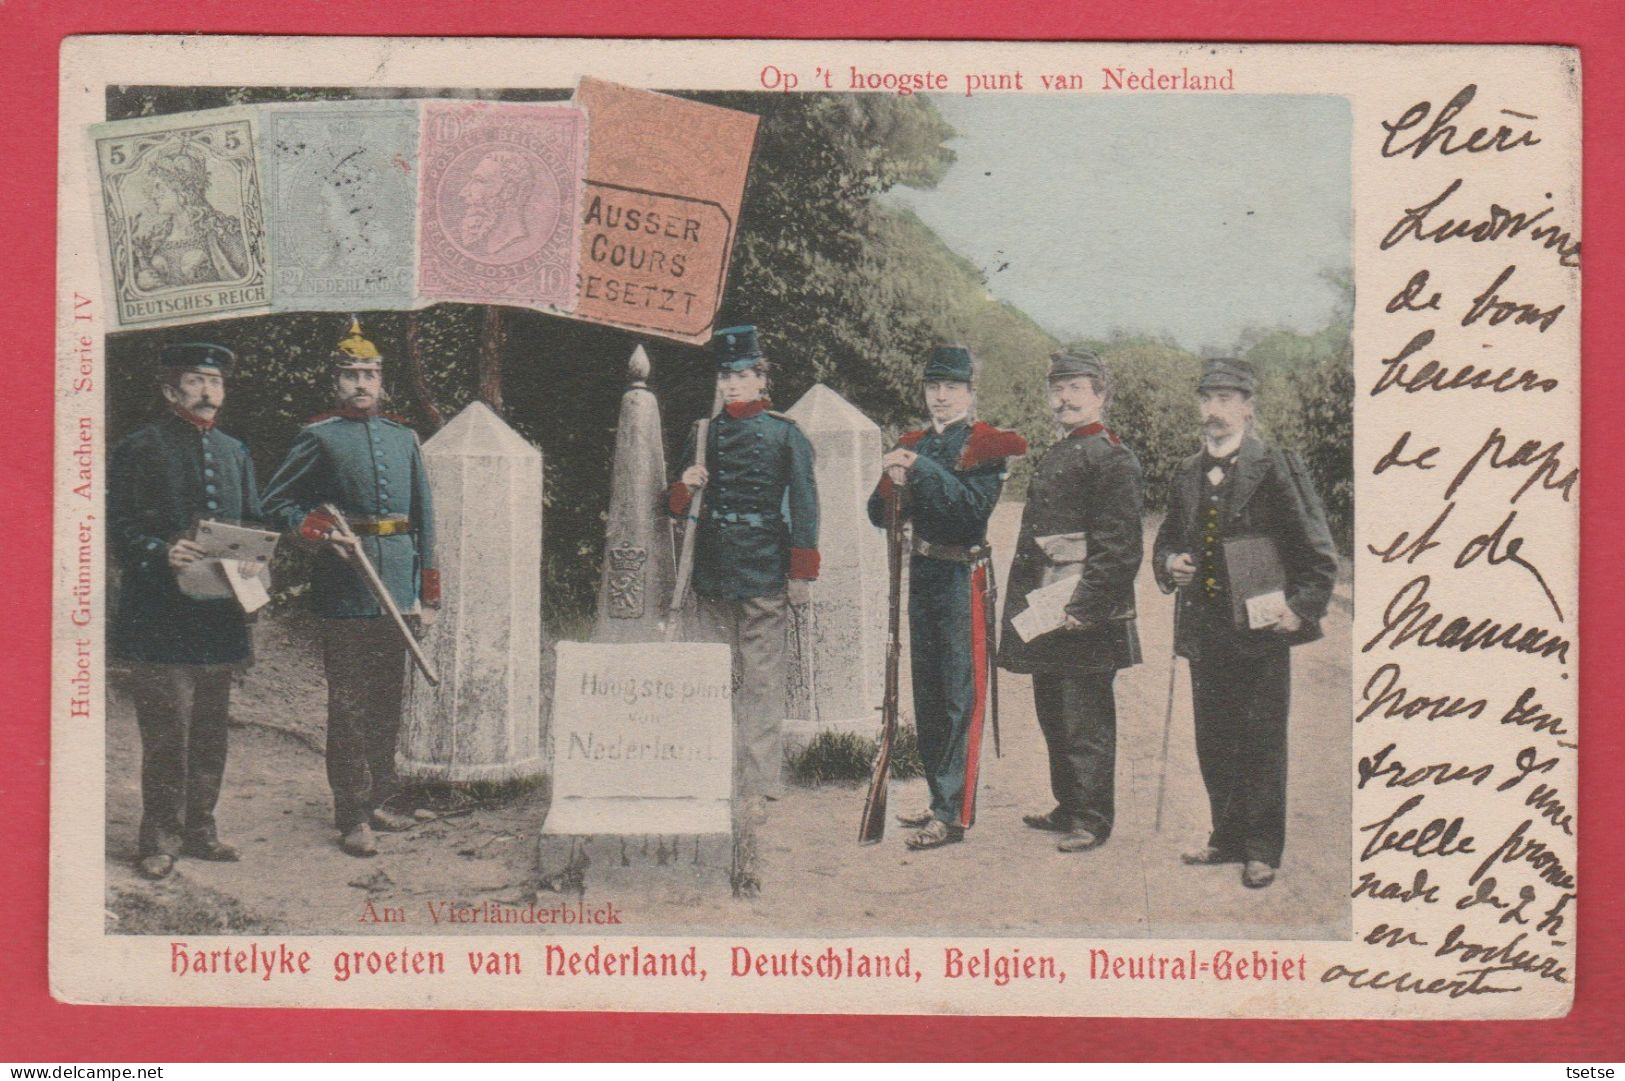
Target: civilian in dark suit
1241,673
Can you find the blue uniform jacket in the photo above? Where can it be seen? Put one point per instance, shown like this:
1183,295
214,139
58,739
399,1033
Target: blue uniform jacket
759,517
954,484
161,480
366,466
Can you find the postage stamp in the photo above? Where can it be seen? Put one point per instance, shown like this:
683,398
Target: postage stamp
184,218
344,190
498,202
884,527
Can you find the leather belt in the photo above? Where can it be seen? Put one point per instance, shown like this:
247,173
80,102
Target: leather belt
747,518
953,553
386,525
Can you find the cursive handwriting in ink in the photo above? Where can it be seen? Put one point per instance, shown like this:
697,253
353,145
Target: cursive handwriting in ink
1396,372
1418,891
1526,714
1382,692
1409,617
1497,549
1403,547
1537,854
1443,133
1393,773
1500,223
1489,306
1531,452
1409,299
1395,457
1438,838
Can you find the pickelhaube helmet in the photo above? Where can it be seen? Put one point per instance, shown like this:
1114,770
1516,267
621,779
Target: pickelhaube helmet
356,353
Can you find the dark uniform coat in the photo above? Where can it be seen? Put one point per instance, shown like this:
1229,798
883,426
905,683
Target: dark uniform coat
951,493
1268,493
759,517
367,465
161,481
1087,483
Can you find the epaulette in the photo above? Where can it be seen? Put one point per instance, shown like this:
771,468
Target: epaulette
990,444
787,418
909,439
321,418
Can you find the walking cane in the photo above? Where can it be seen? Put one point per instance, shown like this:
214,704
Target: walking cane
1168,715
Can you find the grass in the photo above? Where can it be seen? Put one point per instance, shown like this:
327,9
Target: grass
847,758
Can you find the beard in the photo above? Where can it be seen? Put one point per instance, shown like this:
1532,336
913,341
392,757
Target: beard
478,221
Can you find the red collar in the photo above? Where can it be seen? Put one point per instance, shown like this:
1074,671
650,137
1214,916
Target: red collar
741,410
202,424
1087,429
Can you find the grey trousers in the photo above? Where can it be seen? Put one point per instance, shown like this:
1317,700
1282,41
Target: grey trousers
366,672
181,710
755,629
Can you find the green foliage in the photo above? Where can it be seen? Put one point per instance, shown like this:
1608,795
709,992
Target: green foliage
847,758
848,290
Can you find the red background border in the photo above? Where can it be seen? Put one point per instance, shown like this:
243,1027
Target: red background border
33,1027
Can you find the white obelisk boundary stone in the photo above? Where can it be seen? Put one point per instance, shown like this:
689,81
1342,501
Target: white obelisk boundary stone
635,586
483,723
846,622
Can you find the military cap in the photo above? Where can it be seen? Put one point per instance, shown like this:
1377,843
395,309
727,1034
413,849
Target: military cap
949,362
1075,361
355,353
1227,373
736,348
197,355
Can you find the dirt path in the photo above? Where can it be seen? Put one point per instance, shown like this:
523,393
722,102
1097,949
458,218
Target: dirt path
816,879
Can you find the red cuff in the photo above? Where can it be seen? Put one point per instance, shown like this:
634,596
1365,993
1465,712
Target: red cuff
883,489
317,525
678,497
429,589
804,563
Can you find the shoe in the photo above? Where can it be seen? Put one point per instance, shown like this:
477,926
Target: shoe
359,842
1207,856
211,849
156,866
1079,841
1257,874
1057,821
935,834
917,820
391,821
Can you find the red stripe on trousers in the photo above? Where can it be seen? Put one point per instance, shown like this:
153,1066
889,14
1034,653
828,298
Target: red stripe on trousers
978,660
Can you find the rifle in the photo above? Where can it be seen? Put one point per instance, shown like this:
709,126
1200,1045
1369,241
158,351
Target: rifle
873,826
380,593
691,528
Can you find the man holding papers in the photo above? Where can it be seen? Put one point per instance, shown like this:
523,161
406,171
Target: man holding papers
1070,617
1246,544
178,624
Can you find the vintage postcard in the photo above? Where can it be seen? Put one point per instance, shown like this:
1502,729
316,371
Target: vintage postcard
817,527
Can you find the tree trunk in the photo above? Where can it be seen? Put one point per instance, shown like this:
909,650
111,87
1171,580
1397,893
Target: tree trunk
490,360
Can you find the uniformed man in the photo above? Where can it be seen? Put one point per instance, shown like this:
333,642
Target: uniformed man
756,550
1082,519
950,475
1240,487
368,466
162,480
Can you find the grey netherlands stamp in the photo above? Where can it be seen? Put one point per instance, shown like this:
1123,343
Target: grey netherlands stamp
343,184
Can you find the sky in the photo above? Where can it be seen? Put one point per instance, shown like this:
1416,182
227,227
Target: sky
1179,215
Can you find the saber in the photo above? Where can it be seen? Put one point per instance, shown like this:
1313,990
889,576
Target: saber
990,607
380,593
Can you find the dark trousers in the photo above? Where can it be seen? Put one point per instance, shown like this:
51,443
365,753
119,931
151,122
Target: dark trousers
948,658
1078,714
181,710
1241,703
366,672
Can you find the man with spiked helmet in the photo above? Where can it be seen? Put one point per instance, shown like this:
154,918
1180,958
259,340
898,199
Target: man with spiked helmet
367,465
